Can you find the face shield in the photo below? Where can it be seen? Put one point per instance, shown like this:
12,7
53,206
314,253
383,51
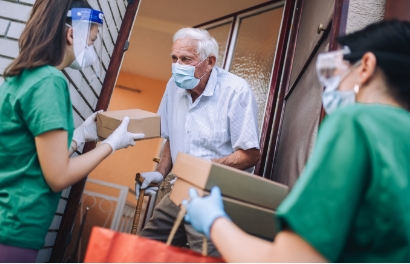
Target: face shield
331,64
87,41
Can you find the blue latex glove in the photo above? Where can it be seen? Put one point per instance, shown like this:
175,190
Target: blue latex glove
202,212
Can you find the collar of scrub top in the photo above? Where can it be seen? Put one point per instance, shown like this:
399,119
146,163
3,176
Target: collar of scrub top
210,86
87,14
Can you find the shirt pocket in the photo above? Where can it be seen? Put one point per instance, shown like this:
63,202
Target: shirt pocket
219,139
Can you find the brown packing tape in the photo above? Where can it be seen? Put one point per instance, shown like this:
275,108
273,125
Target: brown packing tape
233,183
255,220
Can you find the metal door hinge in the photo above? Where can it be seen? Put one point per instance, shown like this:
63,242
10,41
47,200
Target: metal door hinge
127,44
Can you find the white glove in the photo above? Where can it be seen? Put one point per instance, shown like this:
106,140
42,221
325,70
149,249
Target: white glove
86,132
150,177
121,138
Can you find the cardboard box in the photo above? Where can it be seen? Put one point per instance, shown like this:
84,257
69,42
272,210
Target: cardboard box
234,183
140,122
254,220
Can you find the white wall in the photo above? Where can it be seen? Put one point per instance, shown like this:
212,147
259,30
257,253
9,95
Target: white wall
364,12
84,95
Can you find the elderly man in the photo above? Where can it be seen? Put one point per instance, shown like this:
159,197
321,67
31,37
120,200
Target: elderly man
206,112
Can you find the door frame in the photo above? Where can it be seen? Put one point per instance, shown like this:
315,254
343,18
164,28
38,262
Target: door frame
67,222
280,86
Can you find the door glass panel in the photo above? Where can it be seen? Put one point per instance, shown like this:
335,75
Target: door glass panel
254,53
221,35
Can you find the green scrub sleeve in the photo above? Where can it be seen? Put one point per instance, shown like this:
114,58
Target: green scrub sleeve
44,107
321,206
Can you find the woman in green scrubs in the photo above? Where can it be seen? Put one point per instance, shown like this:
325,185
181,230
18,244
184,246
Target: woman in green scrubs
352,201
36,129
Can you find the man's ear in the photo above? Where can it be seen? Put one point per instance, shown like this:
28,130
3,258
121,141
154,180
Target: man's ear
367,67
69,35
211,62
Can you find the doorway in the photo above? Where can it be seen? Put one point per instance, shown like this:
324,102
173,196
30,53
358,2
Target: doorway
247,32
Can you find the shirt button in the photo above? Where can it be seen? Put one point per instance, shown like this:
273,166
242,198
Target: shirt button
188,132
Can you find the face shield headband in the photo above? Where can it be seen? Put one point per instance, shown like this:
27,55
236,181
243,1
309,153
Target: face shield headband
87,41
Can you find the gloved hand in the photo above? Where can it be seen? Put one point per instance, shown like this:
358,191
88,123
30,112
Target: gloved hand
202,212
87,131
121,138
150,177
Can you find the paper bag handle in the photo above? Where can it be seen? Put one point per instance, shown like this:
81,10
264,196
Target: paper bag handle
177,222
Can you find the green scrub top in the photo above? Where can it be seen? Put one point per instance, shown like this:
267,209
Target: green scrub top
352,201
34,102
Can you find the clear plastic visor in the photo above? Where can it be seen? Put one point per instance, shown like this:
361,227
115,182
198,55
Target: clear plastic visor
87,27
330,64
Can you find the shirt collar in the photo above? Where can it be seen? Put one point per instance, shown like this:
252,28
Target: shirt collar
210,86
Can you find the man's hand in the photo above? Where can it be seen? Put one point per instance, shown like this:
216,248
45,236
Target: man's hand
202,212
241,159
150,177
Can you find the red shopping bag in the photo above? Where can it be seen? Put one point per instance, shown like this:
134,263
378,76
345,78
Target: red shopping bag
109,246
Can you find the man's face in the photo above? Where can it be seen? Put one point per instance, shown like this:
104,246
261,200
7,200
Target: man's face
184,52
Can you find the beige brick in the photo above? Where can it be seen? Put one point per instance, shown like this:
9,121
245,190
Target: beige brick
3,64
15,30
9,48
3,26
14,11
30,2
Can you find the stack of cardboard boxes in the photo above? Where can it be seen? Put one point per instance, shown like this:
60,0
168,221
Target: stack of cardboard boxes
249,200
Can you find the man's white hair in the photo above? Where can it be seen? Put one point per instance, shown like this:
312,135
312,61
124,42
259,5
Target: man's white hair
206,45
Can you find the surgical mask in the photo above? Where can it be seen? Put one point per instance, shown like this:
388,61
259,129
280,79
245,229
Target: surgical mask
333,99
183,75
85,59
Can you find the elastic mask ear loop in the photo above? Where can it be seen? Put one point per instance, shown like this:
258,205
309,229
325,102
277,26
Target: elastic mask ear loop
200,63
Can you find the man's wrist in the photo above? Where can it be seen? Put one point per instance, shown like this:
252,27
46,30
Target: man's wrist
162,174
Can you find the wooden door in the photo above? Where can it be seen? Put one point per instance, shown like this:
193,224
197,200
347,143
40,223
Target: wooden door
299,108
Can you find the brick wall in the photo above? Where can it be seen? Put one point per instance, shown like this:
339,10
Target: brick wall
84,93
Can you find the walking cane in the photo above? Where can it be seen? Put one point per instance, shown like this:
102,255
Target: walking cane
140,180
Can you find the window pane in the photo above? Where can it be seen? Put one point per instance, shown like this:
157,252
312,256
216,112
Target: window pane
254,53
221,35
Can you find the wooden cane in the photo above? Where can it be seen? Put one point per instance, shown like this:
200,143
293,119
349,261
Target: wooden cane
140,180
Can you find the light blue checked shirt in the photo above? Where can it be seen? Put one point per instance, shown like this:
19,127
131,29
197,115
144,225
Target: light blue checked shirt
222,119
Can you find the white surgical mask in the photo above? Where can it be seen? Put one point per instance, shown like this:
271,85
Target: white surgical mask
85,59
332,98
183,75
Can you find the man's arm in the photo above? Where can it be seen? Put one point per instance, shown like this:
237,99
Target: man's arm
241,159
165,163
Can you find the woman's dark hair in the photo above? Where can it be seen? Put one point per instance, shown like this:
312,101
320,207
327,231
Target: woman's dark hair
389,41
43,40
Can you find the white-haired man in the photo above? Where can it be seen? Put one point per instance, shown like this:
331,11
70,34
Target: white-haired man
206,112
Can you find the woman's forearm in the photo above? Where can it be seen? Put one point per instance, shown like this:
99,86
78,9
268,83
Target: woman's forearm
80,166
59,170
237,246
